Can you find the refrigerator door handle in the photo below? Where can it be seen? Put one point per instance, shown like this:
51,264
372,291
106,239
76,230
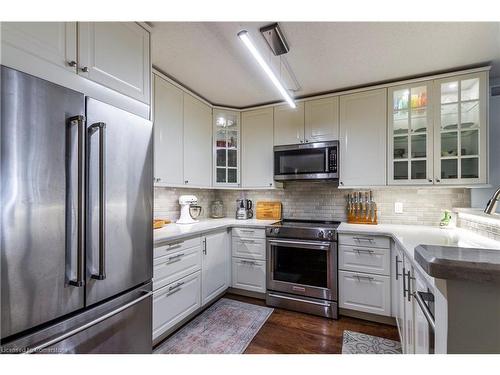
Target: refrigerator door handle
85,326
101,127
80,268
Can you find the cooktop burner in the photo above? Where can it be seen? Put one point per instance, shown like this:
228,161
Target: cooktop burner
304,229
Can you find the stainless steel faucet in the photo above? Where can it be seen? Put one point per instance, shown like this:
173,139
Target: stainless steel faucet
491,207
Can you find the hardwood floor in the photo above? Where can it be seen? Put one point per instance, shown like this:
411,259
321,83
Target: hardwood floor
289,332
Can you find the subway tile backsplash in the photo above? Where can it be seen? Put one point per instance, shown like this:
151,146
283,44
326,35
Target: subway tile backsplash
324,201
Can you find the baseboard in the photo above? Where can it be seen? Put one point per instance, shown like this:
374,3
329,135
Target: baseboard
367,316
246,293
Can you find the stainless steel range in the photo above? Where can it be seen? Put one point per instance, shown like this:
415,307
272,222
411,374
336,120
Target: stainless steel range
302,272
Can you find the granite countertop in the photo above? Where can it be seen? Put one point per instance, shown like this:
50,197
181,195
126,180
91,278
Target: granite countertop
448,262
409,237
173,231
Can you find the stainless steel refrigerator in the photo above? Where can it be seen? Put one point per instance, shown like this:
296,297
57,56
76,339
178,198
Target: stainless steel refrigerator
76,222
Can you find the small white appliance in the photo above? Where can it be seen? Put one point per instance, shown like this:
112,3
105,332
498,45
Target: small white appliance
188,202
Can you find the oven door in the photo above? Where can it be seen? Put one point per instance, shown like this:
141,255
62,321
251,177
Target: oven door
307,268
312,161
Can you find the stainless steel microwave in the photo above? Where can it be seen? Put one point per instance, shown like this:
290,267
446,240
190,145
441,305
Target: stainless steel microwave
307,161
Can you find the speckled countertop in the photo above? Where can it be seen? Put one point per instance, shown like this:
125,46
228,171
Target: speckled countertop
172,232
409,237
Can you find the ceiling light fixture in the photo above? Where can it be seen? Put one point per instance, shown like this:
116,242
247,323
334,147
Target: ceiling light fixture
245,38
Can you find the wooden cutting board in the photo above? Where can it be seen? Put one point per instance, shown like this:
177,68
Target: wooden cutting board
268,210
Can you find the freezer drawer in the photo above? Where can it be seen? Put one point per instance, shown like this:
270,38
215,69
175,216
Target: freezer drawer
175,302
175,266
122,325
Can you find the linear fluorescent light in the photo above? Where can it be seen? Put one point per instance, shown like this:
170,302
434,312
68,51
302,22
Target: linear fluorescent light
245,38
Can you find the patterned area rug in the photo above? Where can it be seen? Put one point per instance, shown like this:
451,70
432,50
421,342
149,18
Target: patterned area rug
359,343
226,327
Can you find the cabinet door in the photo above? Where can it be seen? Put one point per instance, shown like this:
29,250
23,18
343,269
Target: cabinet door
410,134
257,148
215,263
197,142
53,42
168,128
226,130
460,146
322,119
116,55
288,124
363,138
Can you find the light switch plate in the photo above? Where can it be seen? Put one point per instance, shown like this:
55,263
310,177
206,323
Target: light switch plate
398,207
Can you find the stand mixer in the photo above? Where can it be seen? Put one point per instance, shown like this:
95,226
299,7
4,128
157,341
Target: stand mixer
188,202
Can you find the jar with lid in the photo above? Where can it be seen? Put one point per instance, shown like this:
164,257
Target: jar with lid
217,209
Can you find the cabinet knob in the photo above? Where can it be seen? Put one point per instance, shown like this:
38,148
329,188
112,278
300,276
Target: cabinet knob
438,180
341,183
85,69
430,179
270,184
72,63
186,182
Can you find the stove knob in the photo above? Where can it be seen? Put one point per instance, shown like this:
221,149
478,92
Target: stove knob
321,234
269,230
330,234
276,230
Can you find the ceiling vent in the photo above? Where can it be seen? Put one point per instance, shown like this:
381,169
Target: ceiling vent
275,39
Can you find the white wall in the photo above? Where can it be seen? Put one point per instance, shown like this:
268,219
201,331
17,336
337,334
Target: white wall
479,197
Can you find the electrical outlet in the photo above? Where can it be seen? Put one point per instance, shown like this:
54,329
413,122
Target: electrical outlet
398,207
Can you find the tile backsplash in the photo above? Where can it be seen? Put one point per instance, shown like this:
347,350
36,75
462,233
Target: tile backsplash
324,201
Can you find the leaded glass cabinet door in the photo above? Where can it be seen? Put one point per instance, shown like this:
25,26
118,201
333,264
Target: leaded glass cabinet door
226,148
460,133
410,134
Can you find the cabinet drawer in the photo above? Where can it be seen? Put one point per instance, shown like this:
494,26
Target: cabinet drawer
174,302
363,292
364,240
176,265
249,275
253,248
364,259
176,246
249,232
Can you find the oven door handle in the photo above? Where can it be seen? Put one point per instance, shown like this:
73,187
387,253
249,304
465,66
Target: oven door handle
323,304
425,310
304,244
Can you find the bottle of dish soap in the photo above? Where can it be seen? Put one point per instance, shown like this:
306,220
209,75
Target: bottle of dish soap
445,221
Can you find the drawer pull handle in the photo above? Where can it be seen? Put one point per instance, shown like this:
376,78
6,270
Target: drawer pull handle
364,251
251,262
363,239
361,277
175,258
247,241
247,230
175,288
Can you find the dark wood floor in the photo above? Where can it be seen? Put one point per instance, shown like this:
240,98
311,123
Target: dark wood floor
289,332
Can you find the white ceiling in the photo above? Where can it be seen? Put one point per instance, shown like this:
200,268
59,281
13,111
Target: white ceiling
208,57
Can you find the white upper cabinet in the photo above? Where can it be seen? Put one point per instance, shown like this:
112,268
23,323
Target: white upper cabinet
363,138
257,148
322,119
116,55
226,131
410,134
460,133
197,142
53,42
168,133
288,124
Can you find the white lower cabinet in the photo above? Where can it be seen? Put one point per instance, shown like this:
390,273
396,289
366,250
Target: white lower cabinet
364,259
365,292
215,265
250,248
169,268
249,275
174,302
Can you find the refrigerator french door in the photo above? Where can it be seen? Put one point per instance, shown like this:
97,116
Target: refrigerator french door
76,228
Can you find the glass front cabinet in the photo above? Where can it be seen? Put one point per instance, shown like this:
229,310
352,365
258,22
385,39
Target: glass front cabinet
226,130
437,131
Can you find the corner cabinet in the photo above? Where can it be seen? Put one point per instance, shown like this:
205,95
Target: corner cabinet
437,131
257,158
363,124
226,157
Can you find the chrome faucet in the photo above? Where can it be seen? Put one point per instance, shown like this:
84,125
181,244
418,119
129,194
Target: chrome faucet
491,207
